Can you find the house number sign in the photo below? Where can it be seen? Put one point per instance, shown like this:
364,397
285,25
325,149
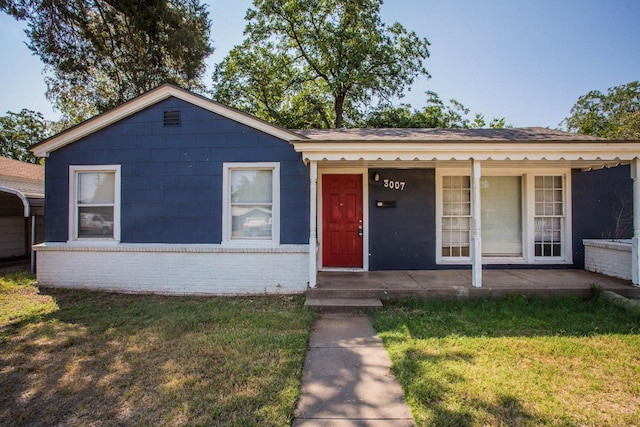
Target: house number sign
393,185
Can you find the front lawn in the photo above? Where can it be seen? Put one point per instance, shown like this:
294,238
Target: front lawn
79,358
516,361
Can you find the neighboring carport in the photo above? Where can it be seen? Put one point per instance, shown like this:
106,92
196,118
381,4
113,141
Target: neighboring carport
21,209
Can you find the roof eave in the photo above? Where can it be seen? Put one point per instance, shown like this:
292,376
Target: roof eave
45,147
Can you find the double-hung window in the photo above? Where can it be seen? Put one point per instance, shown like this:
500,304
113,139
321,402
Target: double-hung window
456,216
251,202
549,216
94,202
524,216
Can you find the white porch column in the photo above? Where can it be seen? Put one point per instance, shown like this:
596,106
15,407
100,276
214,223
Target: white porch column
476,230
313,226
635,252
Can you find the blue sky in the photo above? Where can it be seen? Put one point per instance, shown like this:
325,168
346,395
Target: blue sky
525,60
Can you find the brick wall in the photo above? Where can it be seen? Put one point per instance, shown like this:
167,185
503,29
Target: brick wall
608,257
175,269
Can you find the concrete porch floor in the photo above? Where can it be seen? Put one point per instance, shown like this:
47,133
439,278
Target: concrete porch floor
388,285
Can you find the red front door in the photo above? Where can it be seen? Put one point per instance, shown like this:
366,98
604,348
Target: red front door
342,221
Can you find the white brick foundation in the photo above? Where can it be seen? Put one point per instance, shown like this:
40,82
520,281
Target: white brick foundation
608,257
175,269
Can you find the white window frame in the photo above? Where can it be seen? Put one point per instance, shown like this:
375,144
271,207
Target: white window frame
565,223
528,214
73,202
227,168
440,173
468,216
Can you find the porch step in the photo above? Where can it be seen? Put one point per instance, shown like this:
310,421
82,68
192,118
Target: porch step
342,305
364,293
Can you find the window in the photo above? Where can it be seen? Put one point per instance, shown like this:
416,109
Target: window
456,216
524,216
549,216
251,211
95,202
501,213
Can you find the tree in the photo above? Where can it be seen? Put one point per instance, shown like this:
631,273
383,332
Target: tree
102,53
436,114
19,131
614,115
317,63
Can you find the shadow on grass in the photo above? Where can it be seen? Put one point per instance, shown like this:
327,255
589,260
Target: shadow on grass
433,389
109,359
507,361
513,316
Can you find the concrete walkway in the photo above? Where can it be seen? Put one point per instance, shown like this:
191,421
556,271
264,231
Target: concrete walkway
347,379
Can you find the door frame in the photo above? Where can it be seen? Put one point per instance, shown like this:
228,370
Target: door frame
365,215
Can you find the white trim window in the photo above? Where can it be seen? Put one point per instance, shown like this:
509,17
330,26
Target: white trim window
94,202
251,206
549,216
525,216
456,216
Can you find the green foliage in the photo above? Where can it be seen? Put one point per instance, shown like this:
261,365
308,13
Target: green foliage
102,53
317,63
18,131
614,115
436,114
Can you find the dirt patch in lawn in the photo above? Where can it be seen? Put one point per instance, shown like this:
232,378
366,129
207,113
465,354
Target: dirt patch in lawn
92,358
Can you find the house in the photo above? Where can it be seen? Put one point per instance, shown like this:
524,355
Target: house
174,193
21,208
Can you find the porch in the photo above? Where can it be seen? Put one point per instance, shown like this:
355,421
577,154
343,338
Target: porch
535,167
442,284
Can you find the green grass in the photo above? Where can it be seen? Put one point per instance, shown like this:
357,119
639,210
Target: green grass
20,300
80,358
516,361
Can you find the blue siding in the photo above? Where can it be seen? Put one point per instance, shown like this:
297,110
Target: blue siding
403,238
172,176
598,198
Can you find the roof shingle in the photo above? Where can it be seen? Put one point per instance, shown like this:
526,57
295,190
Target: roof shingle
435,134
18,169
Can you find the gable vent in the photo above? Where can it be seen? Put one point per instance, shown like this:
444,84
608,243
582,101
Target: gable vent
172,118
